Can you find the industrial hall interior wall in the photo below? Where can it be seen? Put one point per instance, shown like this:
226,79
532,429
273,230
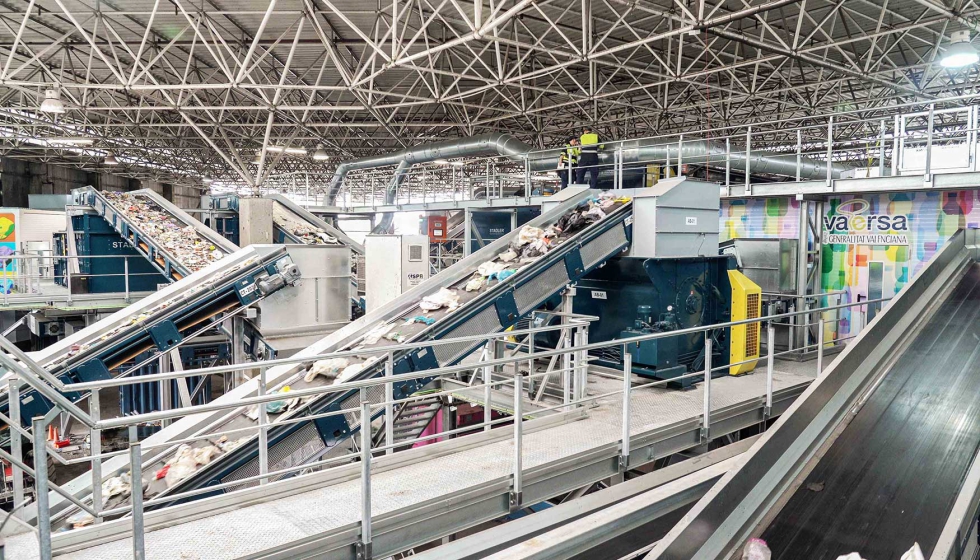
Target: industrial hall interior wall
19,179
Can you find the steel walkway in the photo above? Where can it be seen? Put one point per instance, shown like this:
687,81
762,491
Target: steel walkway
425,493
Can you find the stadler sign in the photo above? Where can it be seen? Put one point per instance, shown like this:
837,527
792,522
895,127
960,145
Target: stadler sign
851,226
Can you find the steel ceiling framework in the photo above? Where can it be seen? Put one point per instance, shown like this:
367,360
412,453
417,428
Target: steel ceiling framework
183,89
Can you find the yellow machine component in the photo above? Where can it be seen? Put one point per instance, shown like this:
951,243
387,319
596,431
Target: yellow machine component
746,304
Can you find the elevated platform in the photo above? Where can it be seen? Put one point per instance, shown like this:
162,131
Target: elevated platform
425,493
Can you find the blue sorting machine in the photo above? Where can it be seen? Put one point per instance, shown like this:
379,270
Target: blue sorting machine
491,225
147,397
636,296
94,237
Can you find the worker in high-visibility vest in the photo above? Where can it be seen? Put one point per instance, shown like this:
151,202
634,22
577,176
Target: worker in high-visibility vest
567,161
589,159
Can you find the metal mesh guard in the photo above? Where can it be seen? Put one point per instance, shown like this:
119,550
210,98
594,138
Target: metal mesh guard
296,449
531,295
603,246
483,322
376,394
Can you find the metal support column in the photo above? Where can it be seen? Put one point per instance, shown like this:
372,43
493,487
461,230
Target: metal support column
237,349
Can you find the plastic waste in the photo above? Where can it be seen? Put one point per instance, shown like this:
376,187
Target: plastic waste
507,256
328,368
529,234
756,549
851,556
595,213
420,319
914,553
475,283
489,267
395,337
278,407
503,274
376,333
186,461
443,298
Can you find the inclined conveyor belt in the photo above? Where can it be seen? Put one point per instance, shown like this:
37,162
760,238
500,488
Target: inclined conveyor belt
295,224
490,309
873,456
159,321
891,477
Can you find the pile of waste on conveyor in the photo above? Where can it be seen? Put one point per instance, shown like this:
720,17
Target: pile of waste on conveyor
757,549
530,244
306,232
179,239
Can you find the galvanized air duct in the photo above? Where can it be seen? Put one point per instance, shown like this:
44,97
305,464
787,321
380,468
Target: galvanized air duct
636,153
494,144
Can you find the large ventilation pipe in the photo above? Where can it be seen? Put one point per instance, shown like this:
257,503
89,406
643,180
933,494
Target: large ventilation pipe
484,145
636,154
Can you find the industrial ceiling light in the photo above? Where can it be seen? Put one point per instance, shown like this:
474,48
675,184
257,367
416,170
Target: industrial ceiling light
206,180
52,102
457,163
110,159
258,158
960,52
293,151
441,161
70,141
320,154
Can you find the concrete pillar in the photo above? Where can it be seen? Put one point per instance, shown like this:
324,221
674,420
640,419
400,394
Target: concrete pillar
254,221
15,181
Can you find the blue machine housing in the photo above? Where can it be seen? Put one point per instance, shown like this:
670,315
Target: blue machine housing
94,237
636,296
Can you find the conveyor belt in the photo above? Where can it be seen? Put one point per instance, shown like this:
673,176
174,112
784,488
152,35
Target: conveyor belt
891,477
287,215
873,456
159,321
490,309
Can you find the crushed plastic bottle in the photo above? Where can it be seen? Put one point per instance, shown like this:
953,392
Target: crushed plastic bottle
756,549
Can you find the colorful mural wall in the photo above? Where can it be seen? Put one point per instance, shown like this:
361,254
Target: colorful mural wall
770,218
914,225
865,271
8,246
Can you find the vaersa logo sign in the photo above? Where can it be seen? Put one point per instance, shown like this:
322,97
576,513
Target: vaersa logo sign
851,225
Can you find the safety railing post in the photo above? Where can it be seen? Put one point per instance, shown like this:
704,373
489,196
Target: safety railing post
263,418
881,150
364,546
41,487
67,280
487,387
390,403
624,456
830,151
820,336
706,422
928,172
799,154
515,495
748,160
680,156
16,443
126,276
566,367
136,471
896,145
95,448
770,362
728,165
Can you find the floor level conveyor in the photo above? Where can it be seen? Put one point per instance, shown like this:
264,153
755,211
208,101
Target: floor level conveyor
875,454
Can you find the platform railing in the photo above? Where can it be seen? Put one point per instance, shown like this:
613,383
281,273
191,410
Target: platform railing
27,278
932,139
573,372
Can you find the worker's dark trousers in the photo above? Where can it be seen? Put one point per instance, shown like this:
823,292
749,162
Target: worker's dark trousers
588,163
563,175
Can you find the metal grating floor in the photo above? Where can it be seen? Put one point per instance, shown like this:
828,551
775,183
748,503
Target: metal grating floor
236,533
